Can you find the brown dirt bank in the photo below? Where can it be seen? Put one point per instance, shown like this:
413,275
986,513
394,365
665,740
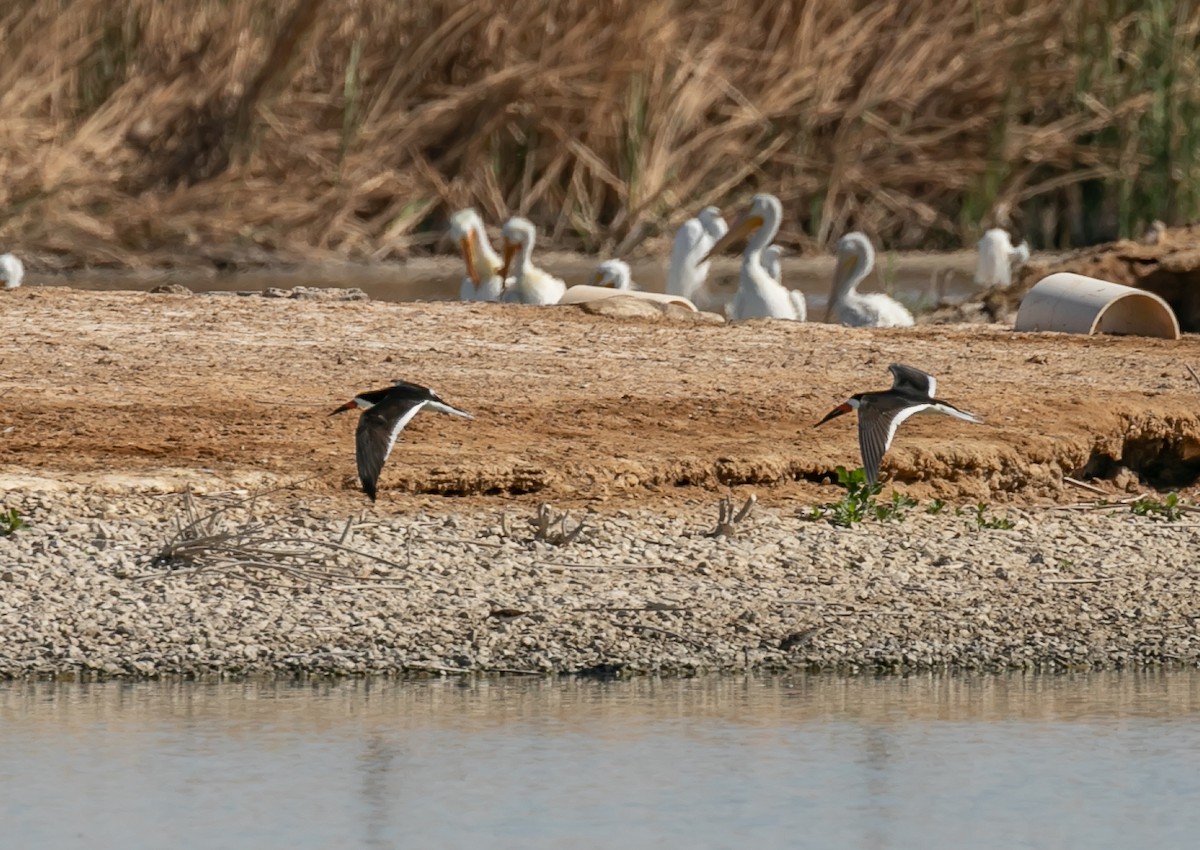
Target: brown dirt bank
103,388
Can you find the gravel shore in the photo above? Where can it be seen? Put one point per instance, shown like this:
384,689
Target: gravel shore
288,584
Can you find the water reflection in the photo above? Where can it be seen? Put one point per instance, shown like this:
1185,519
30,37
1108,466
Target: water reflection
932,762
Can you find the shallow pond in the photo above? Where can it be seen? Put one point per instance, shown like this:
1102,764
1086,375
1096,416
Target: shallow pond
918,280
1095,761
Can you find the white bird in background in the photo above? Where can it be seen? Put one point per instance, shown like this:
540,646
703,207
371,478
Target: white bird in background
998,259
614,273
855,259
483,281
686,273
12,271
531,285
759,295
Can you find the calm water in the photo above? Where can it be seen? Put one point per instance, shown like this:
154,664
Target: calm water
919,280
1093,761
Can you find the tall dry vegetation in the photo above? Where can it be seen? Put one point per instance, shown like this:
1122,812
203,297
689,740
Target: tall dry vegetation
157,131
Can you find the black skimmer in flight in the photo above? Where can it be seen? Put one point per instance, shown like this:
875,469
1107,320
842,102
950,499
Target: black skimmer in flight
880,413
384,414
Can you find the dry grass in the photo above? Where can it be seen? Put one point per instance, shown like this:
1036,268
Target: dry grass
154,132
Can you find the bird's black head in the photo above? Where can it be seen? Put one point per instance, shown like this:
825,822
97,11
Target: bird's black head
363,401
845,407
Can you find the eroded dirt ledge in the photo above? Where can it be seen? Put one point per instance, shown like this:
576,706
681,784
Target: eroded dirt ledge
104,387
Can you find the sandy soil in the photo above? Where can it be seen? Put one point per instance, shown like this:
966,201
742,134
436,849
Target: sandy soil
110,389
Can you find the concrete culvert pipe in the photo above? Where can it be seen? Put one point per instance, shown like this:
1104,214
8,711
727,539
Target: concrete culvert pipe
1073,303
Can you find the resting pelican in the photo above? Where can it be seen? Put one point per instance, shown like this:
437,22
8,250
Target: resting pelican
686,274
11,271
531,284
855,259
614,273
759,295
998,259
483,281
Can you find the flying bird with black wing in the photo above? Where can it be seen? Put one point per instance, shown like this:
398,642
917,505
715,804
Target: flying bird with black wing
384,414
880,413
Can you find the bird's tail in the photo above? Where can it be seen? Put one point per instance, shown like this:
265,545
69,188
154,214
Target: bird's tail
951,410
442,407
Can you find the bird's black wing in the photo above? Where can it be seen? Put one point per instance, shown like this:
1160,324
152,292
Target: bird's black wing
377,431
878,420
908,379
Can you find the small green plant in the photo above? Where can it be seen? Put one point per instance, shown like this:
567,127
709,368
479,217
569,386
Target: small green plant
856,505
936,507
895,509
1167,509
982,520
10,521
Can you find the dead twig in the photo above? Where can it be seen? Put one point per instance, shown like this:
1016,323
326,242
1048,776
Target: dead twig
642,627
1083,485
1192,372
549,526
206,542
727,520
559,565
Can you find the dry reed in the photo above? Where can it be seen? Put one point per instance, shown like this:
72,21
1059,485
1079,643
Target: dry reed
153,132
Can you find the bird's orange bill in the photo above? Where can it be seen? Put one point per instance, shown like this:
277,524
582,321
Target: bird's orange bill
467,243
350,405
836,412
845,267
510,251
741,228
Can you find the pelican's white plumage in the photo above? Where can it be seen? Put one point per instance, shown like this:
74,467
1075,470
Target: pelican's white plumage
998,259
855,259
530,284
759,295
483,281
686,274
614,273
771,262
12,271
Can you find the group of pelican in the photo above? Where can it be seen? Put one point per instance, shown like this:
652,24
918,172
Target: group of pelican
761,293
511,277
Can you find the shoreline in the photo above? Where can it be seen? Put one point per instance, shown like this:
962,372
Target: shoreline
641,591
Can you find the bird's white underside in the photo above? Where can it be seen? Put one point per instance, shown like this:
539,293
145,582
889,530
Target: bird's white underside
407,417
923,408
399,426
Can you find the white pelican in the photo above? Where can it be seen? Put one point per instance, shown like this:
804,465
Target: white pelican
614,273
531,285
760,296
483,281
686,274
855,259
998,259
11,271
